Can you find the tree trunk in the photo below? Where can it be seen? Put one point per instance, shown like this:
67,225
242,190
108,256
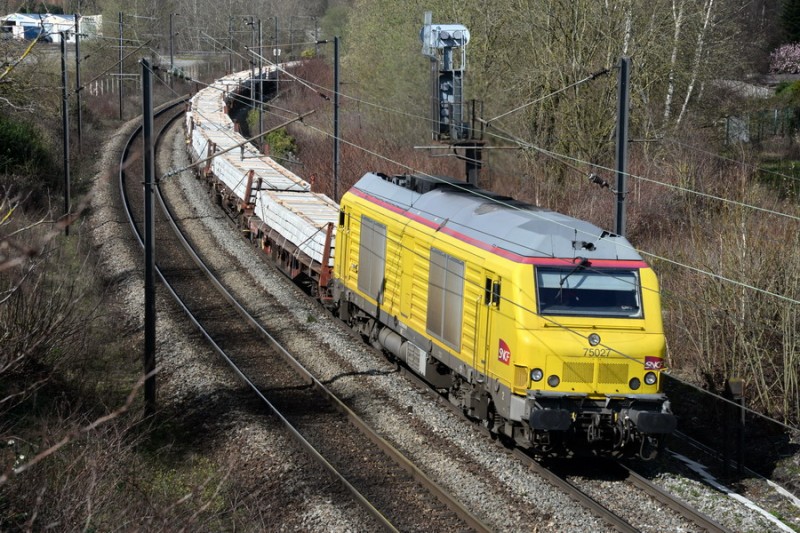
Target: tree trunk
678,18
698,57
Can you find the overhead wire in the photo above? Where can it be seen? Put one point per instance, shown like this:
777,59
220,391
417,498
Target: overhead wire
582,162
588,78
567,262
511,138
631,247
645,253
730,159
552,154
82,87
562,157
380,156
683,189
680,188
228,133
648,254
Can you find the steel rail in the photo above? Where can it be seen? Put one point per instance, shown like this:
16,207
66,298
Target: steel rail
574,492
673,502
442,495
570,489
564,485
221,352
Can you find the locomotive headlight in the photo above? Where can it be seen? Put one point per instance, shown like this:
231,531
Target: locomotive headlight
594,339
537,374
650,378
634,383
553,381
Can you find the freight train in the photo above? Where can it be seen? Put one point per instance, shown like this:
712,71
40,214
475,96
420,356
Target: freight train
544,327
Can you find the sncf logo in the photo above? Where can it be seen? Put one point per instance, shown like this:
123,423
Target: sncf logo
503,353
653,363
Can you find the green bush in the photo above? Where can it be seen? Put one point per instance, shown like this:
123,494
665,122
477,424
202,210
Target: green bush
281,144
26,160
23,147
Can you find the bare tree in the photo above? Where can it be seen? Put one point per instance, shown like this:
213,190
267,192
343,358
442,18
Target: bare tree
702,36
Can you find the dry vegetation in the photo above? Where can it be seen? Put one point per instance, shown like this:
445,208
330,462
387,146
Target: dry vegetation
699,210
76,454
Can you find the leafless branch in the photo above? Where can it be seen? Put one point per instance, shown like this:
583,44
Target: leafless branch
13,64
27,108
73,435
27,251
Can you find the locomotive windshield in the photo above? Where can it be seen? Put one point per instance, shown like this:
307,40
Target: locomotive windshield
588,292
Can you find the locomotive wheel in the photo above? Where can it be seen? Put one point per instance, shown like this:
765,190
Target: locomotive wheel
491,419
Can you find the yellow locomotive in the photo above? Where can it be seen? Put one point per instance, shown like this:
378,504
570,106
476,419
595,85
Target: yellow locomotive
542,325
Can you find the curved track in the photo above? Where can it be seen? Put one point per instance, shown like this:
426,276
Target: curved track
396,493
323,424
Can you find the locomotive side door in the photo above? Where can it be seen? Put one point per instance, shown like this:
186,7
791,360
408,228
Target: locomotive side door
343,244
489,310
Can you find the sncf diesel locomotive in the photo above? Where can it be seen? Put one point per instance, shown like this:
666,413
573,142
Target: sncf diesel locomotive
541,325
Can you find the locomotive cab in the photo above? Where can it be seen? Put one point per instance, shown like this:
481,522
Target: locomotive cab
602,339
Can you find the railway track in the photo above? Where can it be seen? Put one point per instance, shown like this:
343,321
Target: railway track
583,476
669,500
287,394
391,488
584,483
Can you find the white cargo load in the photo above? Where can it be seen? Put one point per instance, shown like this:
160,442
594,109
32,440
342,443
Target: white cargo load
300,217
283,201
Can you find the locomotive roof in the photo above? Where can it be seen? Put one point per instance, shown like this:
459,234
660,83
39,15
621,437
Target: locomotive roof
497,221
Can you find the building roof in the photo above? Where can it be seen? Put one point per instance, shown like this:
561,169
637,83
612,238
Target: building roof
23,18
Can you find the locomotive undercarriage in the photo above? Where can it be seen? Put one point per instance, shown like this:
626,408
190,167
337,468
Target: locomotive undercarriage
552,425
617,426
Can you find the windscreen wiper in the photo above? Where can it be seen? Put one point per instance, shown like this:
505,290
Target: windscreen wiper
582,263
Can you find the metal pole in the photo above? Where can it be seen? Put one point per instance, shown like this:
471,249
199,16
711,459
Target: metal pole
622,140
171,50
740,428
275,57
78,77
119,81
252,25
473,154
149,245
291,37
336,119
260,85
171,44
65,125
230,45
